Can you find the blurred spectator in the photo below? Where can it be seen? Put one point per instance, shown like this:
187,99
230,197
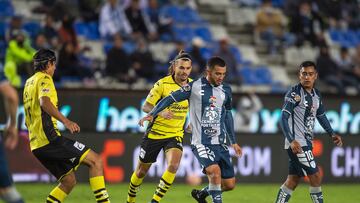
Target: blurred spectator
270,26
41,42
355,59
350,13
346,65
306,25
142,3
179,45
344,60
15,26
198,62
69,63
67,32
18,59
113,20
140,22
330,73
117,61
232,74
143,64
246,115
158,18
50,31
90,9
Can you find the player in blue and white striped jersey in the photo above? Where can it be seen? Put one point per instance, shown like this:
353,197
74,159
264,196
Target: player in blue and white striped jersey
211,121
303,104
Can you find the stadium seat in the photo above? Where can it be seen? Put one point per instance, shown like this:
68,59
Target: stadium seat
93,31
6,9
3,27
81,28
263,76
32,28
204,33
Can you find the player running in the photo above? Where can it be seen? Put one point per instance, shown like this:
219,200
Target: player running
211,120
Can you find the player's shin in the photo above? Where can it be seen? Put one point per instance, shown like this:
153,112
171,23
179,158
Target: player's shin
316,194
56,195
11,195
165,182
97,185
284,194
134,186
215,193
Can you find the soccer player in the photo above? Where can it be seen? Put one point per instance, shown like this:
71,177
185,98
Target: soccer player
211,120
303,104
167,130
60,155
8,192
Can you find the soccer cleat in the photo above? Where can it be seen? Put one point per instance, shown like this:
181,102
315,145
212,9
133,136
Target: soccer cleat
196,194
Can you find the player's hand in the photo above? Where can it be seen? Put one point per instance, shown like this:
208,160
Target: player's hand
238,150
145,118
296,147
72,126
11,137
188,129
337,140
166,114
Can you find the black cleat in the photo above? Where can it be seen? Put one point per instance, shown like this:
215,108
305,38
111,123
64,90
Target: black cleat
196,194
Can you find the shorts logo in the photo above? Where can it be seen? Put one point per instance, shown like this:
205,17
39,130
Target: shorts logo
205,152
72,159
142,153
79,146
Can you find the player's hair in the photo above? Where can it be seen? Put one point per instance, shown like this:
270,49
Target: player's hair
41,59
182,55
215,61
307,64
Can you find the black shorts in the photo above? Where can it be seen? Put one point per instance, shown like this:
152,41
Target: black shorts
61,156
150,148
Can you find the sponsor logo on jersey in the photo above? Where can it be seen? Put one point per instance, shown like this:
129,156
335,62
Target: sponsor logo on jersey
211,131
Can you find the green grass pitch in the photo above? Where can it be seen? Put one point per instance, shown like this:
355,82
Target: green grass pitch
180,193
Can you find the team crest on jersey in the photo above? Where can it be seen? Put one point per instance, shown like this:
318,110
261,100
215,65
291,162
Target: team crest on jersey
45,90
186,88
296,97
212,100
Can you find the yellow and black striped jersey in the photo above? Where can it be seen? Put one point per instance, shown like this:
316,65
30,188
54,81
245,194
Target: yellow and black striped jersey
41,126
162,128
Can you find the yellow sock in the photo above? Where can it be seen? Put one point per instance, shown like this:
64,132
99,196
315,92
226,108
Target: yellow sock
165,182
56,196
134,186
97,185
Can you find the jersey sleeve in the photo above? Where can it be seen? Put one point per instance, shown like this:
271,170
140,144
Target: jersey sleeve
155,93
291,100
183,93
228,102
46,87
321,110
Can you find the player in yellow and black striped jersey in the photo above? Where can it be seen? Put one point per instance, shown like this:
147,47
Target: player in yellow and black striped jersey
60,155
166,131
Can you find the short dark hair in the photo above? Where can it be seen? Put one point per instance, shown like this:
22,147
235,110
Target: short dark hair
307,64
41,59
215,61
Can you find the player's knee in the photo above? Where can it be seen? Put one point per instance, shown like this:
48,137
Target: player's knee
291,183
141,171
96,162
229,187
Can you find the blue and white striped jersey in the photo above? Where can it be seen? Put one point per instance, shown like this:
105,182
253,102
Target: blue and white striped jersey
304,108
208,106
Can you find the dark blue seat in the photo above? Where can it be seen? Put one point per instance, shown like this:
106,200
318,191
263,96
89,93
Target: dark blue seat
204,33
263,76
32,28
6,9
